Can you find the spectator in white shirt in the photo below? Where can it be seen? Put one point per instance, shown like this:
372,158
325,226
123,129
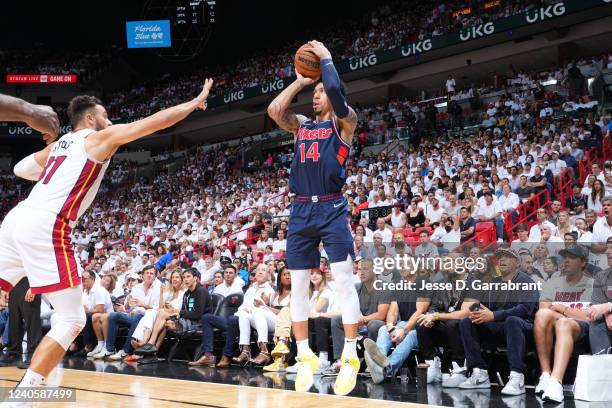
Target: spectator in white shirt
386,234
490,211
280,245
534,232
546,235
207,271
96,299
450,85
602,229
556,165
231,283
434,212
508,201
368,235
146,295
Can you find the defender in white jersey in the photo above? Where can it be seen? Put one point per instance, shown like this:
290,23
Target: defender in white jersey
35,235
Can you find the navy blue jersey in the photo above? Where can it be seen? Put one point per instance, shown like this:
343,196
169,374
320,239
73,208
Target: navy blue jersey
319,162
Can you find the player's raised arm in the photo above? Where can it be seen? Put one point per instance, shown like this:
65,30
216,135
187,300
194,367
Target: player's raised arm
347,118
31,167
279,108
38,117
104,143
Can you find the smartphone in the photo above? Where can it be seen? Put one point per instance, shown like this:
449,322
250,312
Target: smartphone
475,307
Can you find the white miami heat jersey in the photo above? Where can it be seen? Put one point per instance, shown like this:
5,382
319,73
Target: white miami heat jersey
70,179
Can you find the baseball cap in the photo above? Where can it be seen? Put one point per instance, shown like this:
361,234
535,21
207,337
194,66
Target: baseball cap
507,252
132,275
225,260
575,250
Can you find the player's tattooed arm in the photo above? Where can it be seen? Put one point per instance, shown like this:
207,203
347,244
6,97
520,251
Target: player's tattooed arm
285,119
279,108
348,124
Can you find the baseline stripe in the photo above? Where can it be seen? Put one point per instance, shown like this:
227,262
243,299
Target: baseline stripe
65,256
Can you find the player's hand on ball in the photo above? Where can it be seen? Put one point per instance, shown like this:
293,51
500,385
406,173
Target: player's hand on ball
305,81
319,49
44,119
208,83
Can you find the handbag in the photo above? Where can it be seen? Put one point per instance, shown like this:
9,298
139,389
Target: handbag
594,378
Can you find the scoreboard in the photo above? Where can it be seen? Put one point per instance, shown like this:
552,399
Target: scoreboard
191,24
196,12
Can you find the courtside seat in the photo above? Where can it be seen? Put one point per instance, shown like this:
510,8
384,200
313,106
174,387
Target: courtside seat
225,307
216,301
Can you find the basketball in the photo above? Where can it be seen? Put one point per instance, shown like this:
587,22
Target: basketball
307,63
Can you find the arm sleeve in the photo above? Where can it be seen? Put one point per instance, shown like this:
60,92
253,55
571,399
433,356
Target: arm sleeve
28,168
331,83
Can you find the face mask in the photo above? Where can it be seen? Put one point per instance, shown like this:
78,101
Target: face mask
448,228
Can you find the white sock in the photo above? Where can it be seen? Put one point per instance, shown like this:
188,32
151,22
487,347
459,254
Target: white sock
31,379
100,344
303,347
323,356
350,348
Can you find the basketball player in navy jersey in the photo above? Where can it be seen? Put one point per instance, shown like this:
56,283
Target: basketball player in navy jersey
319,211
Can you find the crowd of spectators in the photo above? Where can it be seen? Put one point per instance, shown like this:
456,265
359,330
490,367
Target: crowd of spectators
41,61
390,25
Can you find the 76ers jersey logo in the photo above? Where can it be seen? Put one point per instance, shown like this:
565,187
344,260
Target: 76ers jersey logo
307,134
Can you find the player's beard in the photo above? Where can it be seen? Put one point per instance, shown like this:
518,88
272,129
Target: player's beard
100,125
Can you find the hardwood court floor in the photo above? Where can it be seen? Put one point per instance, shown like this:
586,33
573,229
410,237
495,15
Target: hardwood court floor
99,389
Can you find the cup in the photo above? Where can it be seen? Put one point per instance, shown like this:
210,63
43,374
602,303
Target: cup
421,371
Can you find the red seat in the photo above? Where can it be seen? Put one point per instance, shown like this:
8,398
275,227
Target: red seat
485,233
421,229
407,231
412,240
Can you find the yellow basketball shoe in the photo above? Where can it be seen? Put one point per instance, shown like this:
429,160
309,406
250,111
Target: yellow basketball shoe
347,377
277,366
307,364
280,350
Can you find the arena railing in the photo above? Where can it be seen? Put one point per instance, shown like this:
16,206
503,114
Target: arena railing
526,212
476,238
565,186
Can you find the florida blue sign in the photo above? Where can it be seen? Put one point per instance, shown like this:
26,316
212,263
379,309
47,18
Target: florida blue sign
148,34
